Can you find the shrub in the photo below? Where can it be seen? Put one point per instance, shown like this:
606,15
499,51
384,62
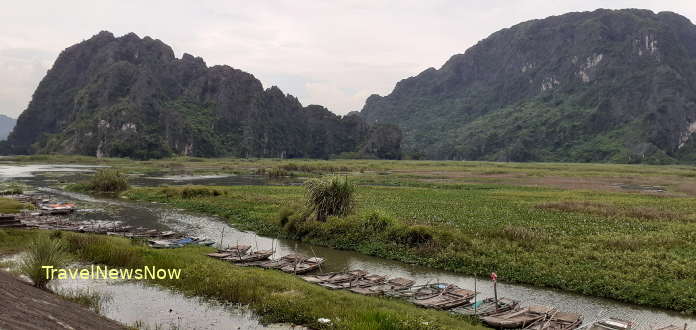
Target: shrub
295,223
416,235
108,181
377,221
192,192
276,172
330,196
43,251
188,192
12,189
284,215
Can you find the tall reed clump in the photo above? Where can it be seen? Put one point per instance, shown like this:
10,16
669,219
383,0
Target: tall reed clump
330,196
108,181
43,251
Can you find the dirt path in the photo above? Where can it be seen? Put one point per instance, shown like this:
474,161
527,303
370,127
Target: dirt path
25,307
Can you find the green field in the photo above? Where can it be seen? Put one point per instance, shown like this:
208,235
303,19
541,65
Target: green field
626,232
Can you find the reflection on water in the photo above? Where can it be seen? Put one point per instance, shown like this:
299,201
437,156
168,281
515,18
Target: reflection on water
131,302
28,171
162,217
150,307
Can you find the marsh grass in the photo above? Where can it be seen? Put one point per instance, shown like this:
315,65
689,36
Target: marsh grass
314,168
188,192
609,210
11,188
8,206
43,251
103,181
96,249
330,196
94,300
108,181
481,228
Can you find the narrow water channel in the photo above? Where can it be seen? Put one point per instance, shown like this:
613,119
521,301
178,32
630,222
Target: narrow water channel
135,303
161,217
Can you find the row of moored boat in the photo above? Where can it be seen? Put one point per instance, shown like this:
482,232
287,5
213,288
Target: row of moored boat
495,312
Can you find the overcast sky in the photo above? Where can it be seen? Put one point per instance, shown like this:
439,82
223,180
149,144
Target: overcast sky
334,53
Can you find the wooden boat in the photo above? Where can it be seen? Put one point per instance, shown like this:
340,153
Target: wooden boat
177,243
303,266
449,297
356,281
251,257
57,208
232,251
487,307
672,327
335,277
393,285
366,282
518,317
420,292
409,292
612,324
289,259
344,283
558,321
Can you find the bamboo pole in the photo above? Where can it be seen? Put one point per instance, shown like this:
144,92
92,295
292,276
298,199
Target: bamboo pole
475,304
222,234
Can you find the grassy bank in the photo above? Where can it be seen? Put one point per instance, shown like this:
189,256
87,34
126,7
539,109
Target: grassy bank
275,296
636,248
8,206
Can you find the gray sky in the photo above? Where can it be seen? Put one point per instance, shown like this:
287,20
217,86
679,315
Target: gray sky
333,53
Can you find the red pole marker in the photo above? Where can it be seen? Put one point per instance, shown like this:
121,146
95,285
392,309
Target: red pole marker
494,277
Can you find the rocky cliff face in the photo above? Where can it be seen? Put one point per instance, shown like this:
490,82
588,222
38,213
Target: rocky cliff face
131,97
593,86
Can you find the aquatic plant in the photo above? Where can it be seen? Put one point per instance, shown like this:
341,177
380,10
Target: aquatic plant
11,188
330,196
12,206
479,228
108,181
91,299
43,251
188,192
276,172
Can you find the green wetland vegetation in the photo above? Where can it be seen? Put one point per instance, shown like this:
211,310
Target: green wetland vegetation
274,296
625,232
630,247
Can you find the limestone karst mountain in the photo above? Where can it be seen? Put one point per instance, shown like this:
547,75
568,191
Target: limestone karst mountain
607,85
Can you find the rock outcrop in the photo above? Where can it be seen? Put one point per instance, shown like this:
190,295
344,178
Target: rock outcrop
608,85
131,97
